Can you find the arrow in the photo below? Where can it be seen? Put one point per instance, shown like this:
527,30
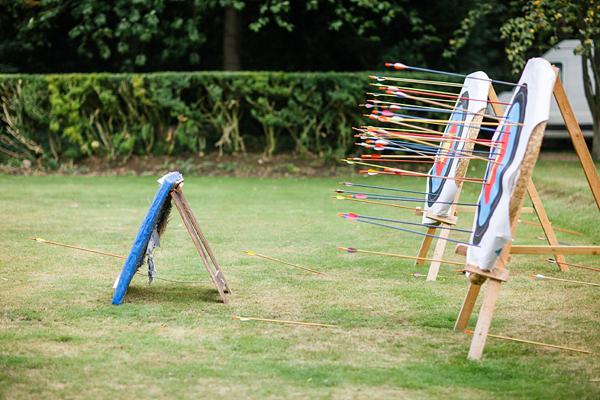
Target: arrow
379,196
77,248
408,230
353,216
530,342
377,105
400,66
413,173
110,255
413,80
398,160
564,280
553,228
353,250
350,184
251,253
543,238
340,197
551,260
281,321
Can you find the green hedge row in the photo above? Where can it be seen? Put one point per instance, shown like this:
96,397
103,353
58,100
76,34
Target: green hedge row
46,118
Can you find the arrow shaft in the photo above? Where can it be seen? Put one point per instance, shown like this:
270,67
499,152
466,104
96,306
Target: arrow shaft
570,281
286,263
571,265
413,231
553,228
285,322
77,248
536,343
402,256
378,203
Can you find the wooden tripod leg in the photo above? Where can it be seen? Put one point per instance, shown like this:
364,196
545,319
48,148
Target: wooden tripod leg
438,254
578,141
467,307
188,224
545,222
196,226
425,246
484,319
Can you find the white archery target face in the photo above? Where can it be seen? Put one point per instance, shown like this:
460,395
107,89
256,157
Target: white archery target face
442,192
530,106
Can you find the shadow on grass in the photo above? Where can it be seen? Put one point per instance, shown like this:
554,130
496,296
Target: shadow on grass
172,295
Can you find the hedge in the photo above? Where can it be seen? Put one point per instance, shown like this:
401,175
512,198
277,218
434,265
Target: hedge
46,118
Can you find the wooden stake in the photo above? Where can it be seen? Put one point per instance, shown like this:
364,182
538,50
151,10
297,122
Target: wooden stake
281,321
536,343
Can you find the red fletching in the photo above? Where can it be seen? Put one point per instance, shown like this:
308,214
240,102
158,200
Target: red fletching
351,250
398,66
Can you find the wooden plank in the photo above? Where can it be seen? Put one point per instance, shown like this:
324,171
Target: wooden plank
578,141
449,221
425,247
467,308
484,319
438,254
498,273
546,225
534,249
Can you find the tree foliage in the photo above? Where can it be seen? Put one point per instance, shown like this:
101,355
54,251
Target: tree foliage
535,26
51,36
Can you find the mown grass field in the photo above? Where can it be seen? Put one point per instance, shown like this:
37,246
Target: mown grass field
60,337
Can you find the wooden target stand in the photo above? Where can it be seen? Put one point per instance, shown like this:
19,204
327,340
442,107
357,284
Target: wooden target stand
216,275
554,247
500,272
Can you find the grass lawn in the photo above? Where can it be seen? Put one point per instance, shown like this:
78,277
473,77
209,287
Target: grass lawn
60,337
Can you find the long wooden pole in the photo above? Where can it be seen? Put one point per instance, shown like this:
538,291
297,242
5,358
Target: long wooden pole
536,343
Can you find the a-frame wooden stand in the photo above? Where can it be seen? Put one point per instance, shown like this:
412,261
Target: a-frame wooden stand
440,247
200,241
499,273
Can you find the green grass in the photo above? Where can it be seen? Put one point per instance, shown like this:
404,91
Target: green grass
61,338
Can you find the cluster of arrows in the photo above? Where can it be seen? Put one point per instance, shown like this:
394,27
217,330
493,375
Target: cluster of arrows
402,132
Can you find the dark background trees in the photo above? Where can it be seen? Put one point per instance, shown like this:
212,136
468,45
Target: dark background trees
54,36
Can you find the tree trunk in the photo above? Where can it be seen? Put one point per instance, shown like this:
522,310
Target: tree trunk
231,40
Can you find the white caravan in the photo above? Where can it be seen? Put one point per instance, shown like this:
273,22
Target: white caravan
571,74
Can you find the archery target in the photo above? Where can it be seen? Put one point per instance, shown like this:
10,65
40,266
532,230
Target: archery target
441,192
530,106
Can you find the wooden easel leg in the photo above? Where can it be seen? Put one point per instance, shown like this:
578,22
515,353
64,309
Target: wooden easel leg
484,319
578,141
425,247
438,254
467,308
188,224
196,226
545,222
